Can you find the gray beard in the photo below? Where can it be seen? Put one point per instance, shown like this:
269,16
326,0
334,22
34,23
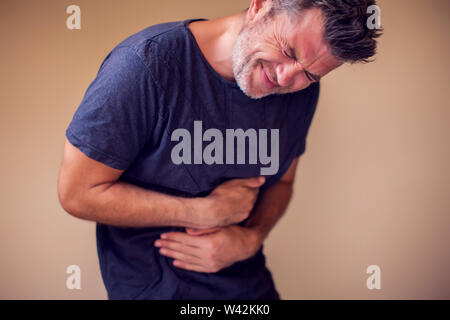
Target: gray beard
243,65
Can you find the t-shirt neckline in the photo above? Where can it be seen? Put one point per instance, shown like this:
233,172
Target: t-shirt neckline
208,65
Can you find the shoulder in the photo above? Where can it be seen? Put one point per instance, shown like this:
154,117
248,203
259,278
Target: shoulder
155,33
157,42
159,48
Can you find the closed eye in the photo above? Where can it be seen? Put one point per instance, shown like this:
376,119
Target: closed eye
308,76
286,54
290,54
311,77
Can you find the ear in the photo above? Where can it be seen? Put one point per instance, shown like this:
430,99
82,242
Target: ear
258,8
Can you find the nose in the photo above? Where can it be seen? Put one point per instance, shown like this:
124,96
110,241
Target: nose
286,73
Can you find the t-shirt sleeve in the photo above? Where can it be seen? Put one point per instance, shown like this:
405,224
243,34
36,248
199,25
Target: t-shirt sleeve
118,111
305,120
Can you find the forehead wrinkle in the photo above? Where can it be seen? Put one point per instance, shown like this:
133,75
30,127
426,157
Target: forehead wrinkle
307,34
308,49
325,65
314,52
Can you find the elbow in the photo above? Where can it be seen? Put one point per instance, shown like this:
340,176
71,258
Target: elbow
67,205
70,201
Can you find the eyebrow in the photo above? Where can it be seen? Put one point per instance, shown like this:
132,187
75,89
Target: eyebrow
315,77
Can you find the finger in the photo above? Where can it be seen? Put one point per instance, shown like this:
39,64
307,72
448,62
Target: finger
254,182
178,246
185,238
199,232
180,256
190,267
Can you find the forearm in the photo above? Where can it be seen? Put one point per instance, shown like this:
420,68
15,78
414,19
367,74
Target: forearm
127,205
269,209
214,250
91,190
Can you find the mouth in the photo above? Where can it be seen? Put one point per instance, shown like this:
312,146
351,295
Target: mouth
266,80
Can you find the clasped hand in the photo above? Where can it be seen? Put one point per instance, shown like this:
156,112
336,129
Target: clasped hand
213,249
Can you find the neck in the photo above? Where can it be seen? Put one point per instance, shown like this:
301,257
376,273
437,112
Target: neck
216,39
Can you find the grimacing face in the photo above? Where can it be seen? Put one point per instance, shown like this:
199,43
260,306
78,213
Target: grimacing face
279,56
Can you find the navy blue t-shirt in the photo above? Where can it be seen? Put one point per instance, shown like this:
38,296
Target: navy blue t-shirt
152,83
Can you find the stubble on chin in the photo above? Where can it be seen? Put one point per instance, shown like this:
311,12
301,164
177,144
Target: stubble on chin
247,80
245,64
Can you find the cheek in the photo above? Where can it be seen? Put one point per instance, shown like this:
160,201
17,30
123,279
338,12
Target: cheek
255,76
268,50
303,85
301,82
255,80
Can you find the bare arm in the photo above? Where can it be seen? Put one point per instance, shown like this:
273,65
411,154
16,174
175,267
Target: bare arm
214,249
90,190
272,204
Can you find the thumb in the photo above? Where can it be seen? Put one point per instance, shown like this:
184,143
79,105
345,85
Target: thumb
254,182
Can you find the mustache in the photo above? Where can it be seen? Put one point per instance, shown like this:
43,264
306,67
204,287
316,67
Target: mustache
270,72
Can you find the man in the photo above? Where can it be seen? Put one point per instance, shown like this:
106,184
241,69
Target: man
194,230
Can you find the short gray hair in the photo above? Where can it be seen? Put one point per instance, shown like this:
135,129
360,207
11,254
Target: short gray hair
345,30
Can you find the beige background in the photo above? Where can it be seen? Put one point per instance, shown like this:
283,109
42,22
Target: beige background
372,188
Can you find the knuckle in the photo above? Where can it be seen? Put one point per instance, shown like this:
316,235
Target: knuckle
212,265
166,243
208,245
212,246
216,268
